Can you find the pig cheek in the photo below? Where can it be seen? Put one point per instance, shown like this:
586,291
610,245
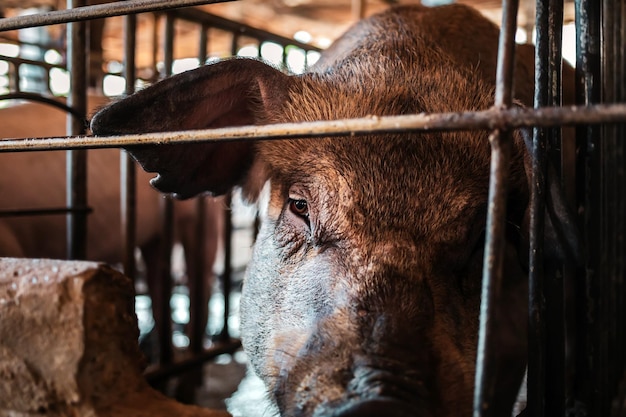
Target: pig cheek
305,300
261,297
281,300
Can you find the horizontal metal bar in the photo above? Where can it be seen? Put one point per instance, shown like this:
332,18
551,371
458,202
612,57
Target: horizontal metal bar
487,119
44,211
97,11
219,22
50,101
166,371
20,61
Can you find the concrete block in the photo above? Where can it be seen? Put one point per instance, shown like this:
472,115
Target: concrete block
68,344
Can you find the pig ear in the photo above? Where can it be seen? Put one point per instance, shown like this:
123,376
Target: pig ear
562,238
233,92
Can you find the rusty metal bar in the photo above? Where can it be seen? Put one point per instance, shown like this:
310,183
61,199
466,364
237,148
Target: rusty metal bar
97,11
488,119
487,361
128,175
77,159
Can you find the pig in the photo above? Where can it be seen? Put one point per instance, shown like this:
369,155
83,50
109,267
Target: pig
363,293
37,180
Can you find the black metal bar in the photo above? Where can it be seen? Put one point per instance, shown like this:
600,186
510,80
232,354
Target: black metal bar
97,11
196,273
234,44
485,394
536,300
227,239
45,100
167,214
197,278
589,145
240,29
607,208
77,159
128,200
19,61
611,349
554,339
227,273
44,211
164,372
620,322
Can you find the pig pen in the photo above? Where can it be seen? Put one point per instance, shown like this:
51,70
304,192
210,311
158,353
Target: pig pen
576,322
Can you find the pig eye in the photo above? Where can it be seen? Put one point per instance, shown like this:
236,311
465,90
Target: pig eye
300,208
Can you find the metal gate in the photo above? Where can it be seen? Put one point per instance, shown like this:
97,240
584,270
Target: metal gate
576,322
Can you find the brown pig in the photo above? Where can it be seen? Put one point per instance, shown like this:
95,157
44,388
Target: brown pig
363,294
35,180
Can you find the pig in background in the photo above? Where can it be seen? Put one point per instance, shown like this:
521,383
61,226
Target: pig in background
37,180
363,293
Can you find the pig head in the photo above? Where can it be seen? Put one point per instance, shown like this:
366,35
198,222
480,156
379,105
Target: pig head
364,289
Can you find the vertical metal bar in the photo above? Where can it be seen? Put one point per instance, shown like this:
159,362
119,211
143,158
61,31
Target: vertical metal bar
14,77
607,221
228,251
620,322
198,285
227,274
155,44
127,167
501,146
167,214
76,165
546,319
589,146
358,9
536,311
234,45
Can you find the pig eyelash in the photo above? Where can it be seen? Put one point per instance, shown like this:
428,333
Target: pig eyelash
300,208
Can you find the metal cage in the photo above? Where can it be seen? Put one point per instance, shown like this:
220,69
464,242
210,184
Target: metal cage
576,312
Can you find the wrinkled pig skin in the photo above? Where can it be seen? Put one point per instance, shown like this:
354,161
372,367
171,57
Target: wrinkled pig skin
363,293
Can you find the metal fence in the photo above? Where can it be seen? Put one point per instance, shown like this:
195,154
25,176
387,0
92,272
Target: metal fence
576,321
